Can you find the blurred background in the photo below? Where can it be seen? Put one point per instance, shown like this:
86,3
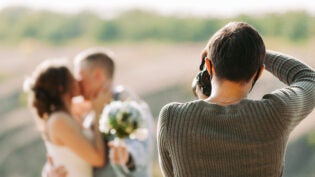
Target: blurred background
157,46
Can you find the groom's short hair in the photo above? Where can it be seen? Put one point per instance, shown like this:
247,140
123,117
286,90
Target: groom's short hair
236,51
97,58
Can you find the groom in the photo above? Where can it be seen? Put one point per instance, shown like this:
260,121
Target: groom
94,70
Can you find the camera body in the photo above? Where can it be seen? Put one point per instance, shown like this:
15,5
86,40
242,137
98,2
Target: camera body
203,80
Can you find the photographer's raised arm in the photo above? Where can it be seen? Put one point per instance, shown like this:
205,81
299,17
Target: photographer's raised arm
296,101
289,69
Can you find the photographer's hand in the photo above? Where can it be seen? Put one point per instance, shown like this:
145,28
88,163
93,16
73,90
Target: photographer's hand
199,93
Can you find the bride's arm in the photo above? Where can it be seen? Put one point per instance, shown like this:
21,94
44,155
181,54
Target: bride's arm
63,130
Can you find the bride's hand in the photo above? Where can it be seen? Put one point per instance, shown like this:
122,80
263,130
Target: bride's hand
118,154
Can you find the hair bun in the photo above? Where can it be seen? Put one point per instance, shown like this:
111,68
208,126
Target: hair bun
41,94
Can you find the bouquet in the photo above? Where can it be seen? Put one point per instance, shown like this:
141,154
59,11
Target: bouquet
124,120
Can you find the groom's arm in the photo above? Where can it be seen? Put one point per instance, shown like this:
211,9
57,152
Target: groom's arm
139,155
139,152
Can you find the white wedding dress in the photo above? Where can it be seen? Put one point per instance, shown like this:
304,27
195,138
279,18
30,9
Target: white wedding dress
63,156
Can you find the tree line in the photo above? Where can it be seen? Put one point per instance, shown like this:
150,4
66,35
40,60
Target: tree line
18,24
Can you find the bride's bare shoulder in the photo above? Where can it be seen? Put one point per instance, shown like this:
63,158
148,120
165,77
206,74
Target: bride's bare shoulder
60,119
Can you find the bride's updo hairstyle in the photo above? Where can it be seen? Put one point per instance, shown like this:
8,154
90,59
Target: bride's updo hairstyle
50,81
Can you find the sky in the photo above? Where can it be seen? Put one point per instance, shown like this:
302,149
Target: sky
107,8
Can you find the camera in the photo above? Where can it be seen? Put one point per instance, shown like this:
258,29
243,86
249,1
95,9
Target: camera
203,80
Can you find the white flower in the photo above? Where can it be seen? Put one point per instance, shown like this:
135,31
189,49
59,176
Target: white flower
122,119
104,127
140,134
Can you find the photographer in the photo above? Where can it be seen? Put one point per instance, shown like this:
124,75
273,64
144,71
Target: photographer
227,134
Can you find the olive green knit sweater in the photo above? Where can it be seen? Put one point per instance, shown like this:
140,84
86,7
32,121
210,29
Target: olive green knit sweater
247,139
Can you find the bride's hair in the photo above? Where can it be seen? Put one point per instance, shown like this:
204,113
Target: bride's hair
51,80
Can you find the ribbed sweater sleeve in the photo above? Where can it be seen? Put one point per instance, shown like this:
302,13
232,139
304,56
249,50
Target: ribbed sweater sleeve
164,157
296,101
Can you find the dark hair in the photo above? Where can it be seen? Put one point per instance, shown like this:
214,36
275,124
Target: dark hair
98,57
50,83
237,52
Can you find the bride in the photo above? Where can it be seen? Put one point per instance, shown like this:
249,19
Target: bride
52,88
